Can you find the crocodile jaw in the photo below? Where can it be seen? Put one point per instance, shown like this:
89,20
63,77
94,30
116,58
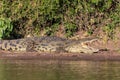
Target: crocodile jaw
81,49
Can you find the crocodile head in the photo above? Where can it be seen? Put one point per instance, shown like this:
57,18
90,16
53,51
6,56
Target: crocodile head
80,46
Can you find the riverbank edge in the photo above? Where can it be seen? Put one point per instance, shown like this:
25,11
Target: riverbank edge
100,56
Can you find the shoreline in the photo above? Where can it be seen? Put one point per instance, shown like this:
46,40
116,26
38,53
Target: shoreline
100,56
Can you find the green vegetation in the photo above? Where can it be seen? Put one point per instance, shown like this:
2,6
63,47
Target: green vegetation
36,16
70,28
5,28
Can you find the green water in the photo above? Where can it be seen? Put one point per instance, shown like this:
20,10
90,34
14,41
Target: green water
58,70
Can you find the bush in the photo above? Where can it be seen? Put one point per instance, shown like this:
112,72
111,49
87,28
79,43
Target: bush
70,29
27,15
5,28
50,31
43,15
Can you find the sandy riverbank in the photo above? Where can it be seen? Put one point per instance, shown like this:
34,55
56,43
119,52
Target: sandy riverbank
100,56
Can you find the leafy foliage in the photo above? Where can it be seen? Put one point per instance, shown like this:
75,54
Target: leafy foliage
70,29
34,16
5,28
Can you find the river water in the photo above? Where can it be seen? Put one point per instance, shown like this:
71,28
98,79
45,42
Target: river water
59,70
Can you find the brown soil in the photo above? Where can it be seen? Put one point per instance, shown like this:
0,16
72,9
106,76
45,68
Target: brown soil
100,56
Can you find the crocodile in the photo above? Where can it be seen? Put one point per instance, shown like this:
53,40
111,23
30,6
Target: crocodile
48,44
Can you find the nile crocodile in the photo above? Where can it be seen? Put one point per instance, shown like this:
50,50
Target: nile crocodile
48,44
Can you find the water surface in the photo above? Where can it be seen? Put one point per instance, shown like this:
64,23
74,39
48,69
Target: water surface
58,70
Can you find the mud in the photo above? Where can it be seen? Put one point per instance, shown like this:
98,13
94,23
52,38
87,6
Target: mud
100,56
